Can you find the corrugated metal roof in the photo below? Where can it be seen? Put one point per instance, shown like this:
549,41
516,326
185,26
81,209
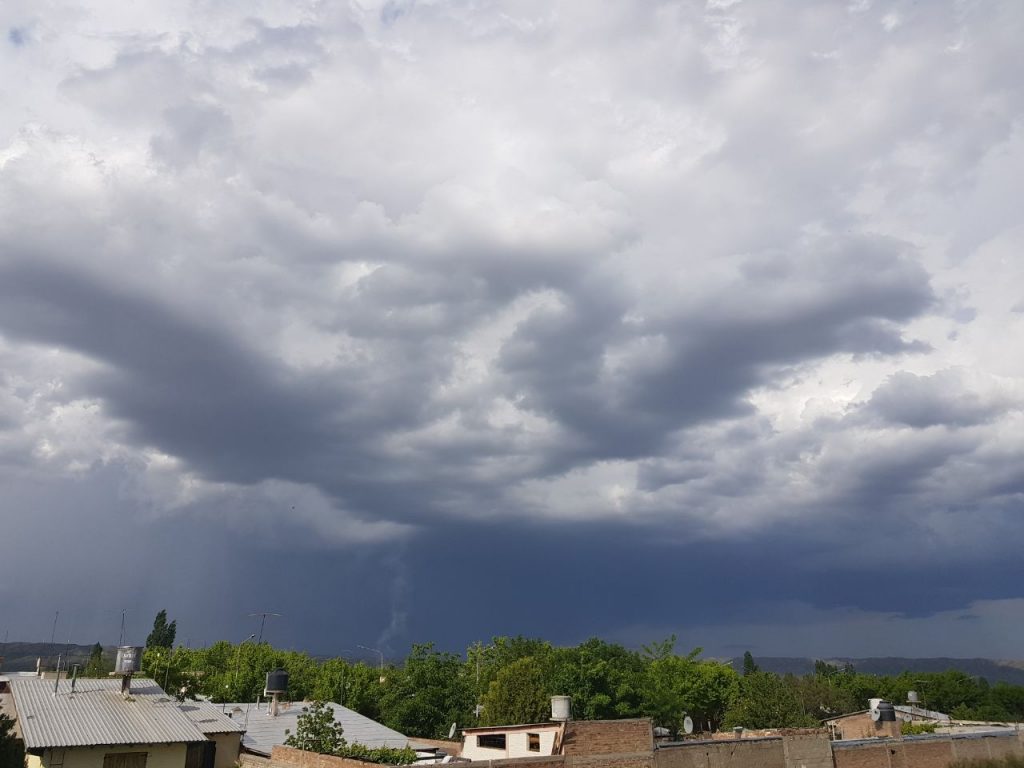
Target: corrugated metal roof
263,732
96,713
209,718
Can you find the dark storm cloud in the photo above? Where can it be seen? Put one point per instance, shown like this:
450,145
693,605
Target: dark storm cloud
477,305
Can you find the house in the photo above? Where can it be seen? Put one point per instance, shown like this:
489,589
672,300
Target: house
113,723
505,741
224,731
264,730
861,725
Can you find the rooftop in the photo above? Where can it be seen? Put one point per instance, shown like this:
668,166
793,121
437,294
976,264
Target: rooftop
96,713
263,732
208,717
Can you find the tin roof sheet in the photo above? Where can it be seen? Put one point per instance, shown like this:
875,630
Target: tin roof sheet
263,732
209,718
96,713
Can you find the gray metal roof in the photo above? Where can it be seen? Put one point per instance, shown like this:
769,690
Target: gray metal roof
263,732
209,718
96,714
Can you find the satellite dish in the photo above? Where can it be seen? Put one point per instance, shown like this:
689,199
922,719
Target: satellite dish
687,724
451,731
875,714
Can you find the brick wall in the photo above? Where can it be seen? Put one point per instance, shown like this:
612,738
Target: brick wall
926,752
737,753
608,737
289,757
249,760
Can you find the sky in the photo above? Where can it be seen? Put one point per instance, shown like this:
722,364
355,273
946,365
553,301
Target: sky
434,320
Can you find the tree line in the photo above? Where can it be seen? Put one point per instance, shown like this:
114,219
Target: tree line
511,679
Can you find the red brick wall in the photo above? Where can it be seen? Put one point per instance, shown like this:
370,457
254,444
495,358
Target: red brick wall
608,737
281,757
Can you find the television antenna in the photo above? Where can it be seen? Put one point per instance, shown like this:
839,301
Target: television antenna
263,621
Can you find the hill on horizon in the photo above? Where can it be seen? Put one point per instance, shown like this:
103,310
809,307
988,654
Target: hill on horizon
993,670
21,657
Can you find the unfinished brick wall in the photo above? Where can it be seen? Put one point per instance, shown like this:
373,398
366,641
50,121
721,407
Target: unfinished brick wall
249,760
929,752
738,753
608,737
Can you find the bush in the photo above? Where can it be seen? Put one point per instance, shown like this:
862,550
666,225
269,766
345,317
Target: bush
915,729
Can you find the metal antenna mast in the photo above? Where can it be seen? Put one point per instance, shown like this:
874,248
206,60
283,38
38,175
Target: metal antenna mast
263,621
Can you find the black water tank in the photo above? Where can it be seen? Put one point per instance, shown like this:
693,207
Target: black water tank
277,681
886,712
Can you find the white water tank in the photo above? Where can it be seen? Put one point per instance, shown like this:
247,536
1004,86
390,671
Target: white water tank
560,708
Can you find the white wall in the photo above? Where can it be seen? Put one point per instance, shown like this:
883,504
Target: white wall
516,743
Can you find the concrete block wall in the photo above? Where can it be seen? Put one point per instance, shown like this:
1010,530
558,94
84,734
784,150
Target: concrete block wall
807,749
737,753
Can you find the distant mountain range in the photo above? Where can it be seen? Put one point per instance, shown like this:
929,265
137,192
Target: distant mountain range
21,657
991,669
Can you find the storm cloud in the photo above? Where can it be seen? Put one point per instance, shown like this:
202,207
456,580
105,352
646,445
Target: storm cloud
706,314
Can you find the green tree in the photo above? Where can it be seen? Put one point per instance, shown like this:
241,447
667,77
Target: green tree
427,694
163,632
604,680
317,731
96,666
667,681
749,665
765,701
517,695
12,750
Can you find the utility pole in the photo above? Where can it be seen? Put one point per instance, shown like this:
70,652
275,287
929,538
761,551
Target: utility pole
263,621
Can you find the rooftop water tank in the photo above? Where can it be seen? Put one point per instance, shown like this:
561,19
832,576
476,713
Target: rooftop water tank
886,712
277,681
128,661
912,697
560,708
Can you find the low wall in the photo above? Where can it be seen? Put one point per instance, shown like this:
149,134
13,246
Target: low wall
453,748
721,753
925,751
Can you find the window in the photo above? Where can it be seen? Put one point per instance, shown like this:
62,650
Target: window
533,742
125,760
487,741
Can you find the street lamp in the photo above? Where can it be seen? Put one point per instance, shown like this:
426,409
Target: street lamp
381,653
